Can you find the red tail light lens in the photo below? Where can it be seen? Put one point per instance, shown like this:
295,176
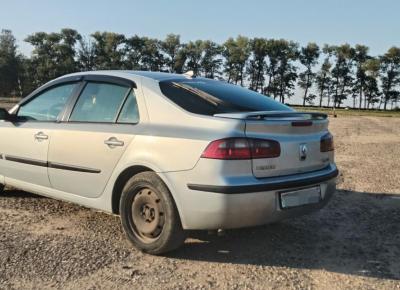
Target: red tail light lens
242,148
261,148
327,143
231,148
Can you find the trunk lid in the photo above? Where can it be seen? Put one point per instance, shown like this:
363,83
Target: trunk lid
299,135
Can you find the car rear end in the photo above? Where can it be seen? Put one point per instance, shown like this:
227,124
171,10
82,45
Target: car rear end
281,166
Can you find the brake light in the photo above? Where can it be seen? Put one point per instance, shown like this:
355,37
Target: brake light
302,123
327,143
242,148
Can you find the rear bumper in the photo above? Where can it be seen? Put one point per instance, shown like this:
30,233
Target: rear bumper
207,207
284,182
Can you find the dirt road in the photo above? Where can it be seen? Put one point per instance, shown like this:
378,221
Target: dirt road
352,243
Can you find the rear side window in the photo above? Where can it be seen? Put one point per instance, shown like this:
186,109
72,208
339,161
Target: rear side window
99,103
129,113
47,105
209,97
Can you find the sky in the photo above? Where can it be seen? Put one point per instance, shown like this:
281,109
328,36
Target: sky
373,23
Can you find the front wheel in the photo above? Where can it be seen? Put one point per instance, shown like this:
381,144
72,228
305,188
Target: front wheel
149,215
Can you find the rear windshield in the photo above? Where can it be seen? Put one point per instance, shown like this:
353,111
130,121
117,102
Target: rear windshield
210,97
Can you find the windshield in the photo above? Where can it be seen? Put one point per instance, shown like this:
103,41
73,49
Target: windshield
210,97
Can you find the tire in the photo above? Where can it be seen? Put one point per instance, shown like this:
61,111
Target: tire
1,188
149,216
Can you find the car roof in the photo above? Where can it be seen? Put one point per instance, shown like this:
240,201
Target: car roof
132,74
159,76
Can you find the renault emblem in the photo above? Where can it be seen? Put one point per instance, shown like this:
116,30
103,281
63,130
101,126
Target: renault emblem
303,151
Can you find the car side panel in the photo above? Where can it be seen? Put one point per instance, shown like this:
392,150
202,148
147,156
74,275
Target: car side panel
20,150
161,146
79,160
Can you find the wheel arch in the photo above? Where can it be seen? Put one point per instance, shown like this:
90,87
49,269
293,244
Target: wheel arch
120,182
127,174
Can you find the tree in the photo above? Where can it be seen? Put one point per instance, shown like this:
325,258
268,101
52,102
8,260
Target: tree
371,91
257,63
286,75
143,53
194,51
44,57
360,57
86,55
236,53
108,50
201,57
152,58
180,60
66,51
342,72
390,75
133,51
53,54
269,66
323,78
211,61
27,77
171,47
308,57
273,51
9,64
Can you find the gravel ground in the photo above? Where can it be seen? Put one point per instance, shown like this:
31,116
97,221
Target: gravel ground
353,243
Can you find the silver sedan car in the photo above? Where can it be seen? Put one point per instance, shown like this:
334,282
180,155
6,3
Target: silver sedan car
167,152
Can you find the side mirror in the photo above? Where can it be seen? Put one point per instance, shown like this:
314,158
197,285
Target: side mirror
4,115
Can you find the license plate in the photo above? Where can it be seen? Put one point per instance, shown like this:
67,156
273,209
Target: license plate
300,197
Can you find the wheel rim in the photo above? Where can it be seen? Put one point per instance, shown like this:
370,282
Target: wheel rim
147,215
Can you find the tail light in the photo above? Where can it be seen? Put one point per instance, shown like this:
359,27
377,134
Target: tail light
302,123
327,143
262,148
242,148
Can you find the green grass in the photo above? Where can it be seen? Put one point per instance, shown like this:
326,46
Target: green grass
350,112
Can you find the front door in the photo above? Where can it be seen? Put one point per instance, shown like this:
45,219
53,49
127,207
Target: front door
23,150
24,143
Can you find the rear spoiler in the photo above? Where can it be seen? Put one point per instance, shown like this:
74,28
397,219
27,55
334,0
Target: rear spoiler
274,115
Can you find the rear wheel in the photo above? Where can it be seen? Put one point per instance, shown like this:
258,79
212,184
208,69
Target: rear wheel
149,215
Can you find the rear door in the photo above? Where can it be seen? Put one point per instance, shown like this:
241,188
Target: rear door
300,146
24,142
87,146
299,136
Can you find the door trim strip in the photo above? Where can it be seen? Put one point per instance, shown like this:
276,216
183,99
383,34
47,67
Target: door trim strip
25,160
72,167
50,164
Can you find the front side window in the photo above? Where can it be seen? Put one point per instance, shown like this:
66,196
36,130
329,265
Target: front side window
209,97
47,105
99,103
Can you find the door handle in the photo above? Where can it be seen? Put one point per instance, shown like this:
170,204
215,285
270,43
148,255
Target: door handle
41,136
113,142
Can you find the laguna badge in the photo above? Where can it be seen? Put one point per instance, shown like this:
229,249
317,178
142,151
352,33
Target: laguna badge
303,151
